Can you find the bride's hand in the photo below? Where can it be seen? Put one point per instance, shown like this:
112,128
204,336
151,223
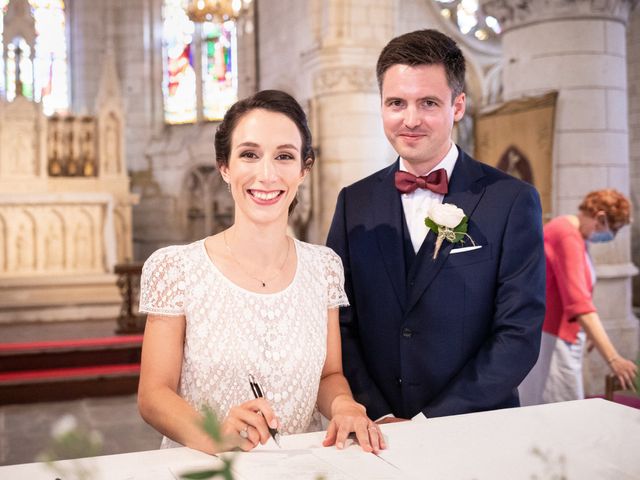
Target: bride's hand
349,416
246,425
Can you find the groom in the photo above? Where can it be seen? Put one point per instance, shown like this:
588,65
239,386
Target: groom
456,333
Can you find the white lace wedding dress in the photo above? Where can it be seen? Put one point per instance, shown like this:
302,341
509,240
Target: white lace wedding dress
280,338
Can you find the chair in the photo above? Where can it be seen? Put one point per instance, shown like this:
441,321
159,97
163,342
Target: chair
612,383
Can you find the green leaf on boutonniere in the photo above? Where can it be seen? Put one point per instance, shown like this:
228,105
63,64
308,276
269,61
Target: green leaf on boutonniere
461,230
431,225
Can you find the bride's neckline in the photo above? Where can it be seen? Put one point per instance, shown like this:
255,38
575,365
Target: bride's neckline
246,290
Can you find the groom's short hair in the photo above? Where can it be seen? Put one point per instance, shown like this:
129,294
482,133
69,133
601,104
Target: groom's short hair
424,47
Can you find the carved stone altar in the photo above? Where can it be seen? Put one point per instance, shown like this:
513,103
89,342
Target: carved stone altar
65,209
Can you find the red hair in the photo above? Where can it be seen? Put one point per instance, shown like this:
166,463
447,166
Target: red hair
613,203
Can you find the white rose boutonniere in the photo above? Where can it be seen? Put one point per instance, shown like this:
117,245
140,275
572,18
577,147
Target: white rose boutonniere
449,223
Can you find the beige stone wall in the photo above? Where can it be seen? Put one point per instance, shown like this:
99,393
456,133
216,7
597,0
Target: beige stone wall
633,82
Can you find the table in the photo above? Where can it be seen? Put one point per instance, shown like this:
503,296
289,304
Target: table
584,439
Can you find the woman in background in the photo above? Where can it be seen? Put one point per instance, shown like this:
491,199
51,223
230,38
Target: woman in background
571,316
249,301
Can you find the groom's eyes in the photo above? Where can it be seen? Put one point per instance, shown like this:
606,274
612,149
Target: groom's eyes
395,102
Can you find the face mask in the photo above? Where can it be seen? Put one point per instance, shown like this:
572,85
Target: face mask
601,237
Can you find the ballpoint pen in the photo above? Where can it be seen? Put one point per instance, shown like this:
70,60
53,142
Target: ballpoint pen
257,392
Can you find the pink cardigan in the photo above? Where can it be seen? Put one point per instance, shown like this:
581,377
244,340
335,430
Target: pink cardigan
569,287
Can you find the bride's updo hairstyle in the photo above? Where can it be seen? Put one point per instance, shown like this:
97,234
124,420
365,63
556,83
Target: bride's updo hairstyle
273,101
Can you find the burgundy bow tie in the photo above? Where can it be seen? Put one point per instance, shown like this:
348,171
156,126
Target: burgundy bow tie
436,181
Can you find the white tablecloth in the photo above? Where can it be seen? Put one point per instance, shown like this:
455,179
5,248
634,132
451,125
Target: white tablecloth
586,439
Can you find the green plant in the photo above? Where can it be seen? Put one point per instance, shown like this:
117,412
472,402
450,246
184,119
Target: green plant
70,441
211,426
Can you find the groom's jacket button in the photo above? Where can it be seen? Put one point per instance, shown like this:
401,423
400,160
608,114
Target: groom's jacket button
399,380
407,333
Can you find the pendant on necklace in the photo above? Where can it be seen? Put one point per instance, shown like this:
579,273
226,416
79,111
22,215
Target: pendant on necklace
263,284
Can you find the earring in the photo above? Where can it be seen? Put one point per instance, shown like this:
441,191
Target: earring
229,187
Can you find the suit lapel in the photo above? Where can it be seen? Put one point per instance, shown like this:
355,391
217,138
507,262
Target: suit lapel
464,192
388,219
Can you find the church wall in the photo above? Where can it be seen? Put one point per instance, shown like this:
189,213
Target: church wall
633,73
140,71
127,27
280,56
87,36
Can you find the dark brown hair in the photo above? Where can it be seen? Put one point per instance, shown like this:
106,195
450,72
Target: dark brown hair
613,203
425,47
273,101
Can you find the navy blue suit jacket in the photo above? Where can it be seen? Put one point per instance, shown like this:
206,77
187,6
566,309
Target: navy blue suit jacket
452,335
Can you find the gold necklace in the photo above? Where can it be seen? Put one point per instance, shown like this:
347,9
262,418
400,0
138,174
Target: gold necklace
262,282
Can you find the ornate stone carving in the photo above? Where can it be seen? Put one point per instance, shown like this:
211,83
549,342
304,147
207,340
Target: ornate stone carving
55,243
347,79
516,13
3,245
56,233
23,241
22,128
110,120
70,146
18,22
206,203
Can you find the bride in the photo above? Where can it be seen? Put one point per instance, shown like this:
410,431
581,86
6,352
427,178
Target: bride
250,301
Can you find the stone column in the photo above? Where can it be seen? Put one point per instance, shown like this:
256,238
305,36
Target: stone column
579,49
348,36
633,72
88,29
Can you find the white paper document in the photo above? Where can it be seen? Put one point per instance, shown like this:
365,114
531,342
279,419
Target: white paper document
326,463
303,457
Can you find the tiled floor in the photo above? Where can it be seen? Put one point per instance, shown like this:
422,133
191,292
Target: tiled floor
25,430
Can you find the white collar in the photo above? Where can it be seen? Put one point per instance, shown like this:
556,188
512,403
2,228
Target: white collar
448,162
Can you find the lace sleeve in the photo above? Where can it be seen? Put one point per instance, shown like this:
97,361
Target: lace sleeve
334,273
162,283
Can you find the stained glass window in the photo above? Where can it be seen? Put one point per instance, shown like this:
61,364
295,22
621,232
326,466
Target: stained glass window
220,88
179,85
46,78
209,48
469,17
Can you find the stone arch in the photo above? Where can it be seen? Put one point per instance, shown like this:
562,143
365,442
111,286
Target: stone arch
207,205
120,226
24,243
493,87
3,244
83,241
54,242
112,145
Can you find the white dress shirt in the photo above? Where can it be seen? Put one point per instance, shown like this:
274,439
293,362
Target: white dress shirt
416,204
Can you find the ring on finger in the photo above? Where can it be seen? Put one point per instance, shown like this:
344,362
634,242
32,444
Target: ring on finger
244,433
